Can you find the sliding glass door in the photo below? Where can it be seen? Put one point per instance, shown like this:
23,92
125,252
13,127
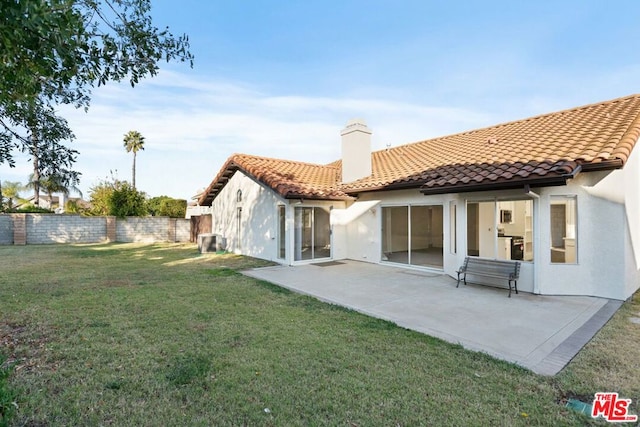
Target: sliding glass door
312,233
413,235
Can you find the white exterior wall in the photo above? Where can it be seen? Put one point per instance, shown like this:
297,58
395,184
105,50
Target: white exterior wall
363,236
605,243
608,233
600,255
632,236
258,219
608,239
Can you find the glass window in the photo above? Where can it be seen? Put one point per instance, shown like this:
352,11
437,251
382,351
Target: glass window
564,229
312,233
239,196
395,234
500,229
413,235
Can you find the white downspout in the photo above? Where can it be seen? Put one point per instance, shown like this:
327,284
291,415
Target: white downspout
536,240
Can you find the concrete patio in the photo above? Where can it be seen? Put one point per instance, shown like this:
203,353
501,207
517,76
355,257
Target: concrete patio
541,333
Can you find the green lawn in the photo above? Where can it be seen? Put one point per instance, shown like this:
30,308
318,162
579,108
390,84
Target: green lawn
131,334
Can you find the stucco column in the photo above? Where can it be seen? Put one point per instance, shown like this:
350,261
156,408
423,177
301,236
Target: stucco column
111,228
19,229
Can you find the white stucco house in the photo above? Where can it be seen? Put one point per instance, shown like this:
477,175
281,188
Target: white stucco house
560,192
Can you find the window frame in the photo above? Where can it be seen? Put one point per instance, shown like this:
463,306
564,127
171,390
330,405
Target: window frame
574,252
496,218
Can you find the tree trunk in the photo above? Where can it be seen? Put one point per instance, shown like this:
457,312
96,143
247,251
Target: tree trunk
133,171
36,169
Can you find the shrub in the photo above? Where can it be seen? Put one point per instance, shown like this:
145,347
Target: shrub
117,198
167,206
126,201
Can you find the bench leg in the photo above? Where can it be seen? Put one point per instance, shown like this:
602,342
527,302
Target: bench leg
515,286
464,277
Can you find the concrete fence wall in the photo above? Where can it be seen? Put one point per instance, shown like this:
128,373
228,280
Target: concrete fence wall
6,230
21,229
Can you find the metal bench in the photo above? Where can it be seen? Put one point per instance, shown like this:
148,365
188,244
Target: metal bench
498,269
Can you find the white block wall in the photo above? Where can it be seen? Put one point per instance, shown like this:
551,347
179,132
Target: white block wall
147,229
183,230
43,229
50,228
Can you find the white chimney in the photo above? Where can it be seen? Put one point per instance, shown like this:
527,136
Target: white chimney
356,150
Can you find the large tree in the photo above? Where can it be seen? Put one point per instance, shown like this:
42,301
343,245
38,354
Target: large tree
45,146
55,51
133,142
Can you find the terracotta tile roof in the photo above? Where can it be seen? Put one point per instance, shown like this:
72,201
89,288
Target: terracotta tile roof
288,178
541,150
541,146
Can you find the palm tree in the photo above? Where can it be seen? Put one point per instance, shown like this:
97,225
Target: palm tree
57,184
133,141
10,192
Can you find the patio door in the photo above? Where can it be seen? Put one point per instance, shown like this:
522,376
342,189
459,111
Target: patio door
312,233
413,235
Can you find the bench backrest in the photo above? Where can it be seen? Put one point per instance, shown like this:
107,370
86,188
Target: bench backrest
493,267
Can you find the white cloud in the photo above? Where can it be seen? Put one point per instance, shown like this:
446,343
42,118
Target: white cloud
192,125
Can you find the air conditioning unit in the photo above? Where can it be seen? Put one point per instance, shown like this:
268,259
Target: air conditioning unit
211,243
207,243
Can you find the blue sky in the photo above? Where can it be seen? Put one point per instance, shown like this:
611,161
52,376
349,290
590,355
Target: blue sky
281,79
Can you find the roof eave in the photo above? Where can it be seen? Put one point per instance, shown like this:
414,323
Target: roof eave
393,186
495,186
225,174
316,197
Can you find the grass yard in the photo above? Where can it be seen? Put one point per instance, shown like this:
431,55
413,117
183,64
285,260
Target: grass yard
127,334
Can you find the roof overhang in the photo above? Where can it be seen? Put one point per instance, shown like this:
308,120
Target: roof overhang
210,193
495,186
545,181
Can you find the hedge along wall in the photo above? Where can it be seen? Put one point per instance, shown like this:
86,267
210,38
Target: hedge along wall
51,228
